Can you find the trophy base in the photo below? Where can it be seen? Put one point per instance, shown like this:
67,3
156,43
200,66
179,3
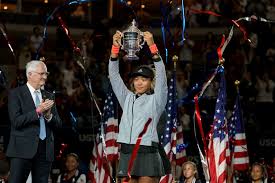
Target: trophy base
132,57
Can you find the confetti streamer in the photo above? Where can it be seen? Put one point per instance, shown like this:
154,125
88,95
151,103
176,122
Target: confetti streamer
77,2
51,17
183,21
136,148
45,31
8,42
63,147
181,147
76,51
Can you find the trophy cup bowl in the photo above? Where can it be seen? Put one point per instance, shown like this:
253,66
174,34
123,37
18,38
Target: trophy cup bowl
132,41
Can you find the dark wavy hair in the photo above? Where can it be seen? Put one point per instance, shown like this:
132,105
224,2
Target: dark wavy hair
263,168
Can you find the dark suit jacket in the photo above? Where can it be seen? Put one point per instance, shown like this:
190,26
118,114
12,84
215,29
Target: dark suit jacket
24,136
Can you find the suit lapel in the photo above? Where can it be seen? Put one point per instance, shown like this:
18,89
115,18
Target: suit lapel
28,97
47,95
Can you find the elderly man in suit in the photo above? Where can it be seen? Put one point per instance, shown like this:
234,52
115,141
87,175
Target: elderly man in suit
33,117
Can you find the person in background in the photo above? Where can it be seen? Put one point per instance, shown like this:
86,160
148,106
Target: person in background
189,173
4,170
272,171
258,173
35,43
33,116
264,101
146,100
71,174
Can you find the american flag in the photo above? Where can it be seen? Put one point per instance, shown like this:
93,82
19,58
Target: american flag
111,130
169,137
100,163
237,139
100,168
218,143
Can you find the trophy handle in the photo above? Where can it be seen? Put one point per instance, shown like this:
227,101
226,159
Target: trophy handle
121,40
142,42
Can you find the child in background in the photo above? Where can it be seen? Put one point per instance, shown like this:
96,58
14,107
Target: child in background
189,173
72,174
258,173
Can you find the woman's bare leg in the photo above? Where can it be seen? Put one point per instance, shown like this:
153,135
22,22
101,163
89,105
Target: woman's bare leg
148,179
132,180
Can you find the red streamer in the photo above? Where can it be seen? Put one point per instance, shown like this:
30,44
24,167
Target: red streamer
241,29
219,49
199,121
63,147
205,12
66,30
135,150
218,15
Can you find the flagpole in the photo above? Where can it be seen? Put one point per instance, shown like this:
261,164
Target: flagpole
230,177
168,138
231,169
237,83
175,59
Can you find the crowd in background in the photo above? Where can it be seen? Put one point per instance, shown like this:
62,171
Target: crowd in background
252,63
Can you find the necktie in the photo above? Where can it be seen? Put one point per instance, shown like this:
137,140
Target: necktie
42,133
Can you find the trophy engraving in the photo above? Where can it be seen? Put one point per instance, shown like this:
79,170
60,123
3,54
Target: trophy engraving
132,41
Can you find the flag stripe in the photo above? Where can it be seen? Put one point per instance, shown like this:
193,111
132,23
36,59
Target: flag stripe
100,163
241,167
111,136
218,151
239,149
242,160
238,144
240,155
173,134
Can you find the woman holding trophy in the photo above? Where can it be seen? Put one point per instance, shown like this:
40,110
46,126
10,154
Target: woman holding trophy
143,103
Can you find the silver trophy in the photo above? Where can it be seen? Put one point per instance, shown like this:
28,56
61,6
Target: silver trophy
132,41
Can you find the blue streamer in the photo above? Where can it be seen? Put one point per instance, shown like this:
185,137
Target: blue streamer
163,35
164,42
183,21
74,119
190,95
45,31
74,122
166,55
220,69
181,147
168,29
165,28
77,2
197,88
50,17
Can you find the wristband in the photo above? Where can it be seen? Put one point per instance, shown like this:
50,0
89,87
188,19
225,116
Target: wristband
113,59
115,49
38,111
154,49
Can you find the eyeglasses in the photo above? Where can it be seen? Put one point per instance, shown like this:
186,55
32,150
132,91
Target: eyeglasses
42,73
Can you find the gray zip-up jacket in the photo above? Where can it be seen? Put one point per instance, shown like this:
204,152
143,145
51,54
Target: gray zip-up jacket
137,111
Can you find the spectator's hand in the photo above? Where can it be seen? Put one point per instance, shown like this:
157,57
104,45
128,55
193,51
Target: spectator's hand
47,113
45,106
148,38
